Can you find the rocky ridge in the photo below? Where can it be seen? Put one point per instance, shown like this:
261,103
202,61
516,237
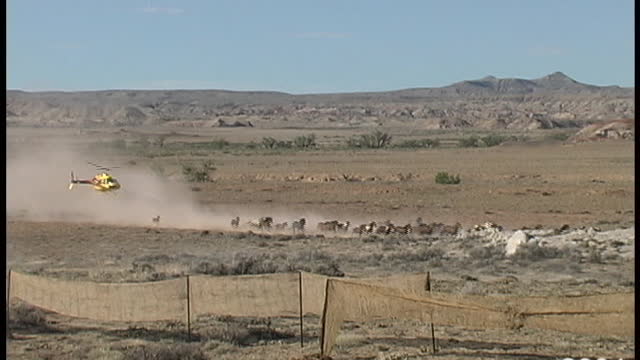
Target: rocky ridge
549,102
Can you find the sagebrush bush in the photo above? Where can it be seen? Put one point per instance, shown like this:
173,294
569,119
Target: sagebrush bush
304,142
444,178
375,140
198,173
218,144
485,141
421,143
493,140
491,252
484,256
559,136
262,264
208,268
519,138
271,264
271,143
469,142
159,351
532,252
245,265
244,333
26,315
425,254
330,269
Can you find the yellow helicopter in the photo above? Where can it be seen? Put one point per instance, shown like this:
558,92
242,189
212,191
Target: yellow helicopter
103,181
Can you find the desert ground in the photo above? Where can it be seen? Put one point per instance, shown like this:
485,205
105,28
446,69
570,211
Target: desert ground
577,197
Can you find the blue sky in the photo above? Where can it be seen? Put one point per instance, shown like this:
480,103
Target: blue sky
305,46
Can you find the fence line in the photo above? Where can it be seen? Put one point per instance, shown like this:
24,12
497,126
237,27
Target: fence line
334,299
604,315
177,299
152,301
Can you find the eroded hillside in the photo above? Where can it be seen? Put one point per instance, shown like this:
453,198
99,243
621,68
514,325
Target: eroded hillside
549,102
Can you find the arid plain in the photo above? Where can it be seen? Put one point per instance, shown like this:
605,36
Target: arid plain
533,180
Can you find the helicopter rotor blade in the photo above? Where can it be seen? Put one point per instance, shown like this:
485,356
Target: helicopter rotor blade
101,167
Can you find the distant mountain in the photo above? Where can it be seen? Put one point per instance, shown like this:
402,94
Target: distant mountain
556,83
550,101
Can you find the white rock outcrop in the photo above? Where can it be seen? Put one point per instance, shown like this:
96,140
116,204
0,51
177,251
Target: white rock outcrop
518,238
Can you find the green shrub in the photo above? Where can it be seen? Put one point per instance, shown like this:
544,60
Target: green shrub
424,254
353,141
162,351
271,143
305,142
219,144
485,141
444,178
472,141
559,136
490,253
375,140
532,252
251,145
26,315
519,138
157,140
244,332
330,269
493,140
421,143
199,173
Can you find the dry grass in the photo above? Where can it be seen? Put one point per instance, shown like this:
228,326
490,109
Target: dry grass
23,315
164,352
243,335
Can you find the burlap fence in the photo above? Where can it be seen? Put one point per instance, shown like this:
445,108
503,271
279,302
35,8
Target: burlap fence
151,301
246,295
274,294
611,314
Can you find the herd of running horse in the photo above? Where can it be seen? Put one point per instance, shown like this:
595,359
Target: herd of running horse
418,227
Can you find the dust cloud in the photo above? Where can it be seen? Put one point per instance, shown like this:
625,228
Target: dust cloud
37,189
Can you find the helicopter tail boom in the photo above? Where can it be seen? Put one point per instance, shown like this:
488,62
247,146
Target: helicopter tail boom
74,180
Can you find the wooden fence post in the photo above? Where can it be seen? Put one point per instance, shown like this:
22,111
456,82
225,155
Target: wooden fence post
433,331
301,314
8,303
324,315
188,310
